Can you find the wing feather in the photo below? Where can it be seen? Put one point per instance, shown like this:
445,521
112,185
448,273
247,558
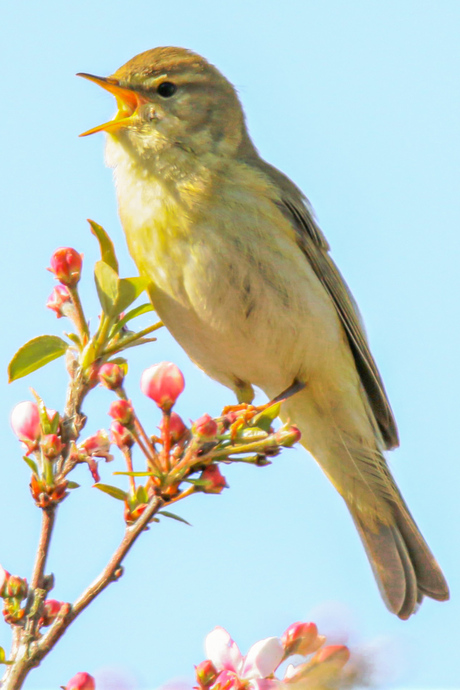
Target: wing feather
315,248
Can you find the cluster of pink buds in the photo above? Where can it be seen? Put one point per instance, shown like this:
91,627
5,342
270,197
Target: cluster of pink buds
40,433
13,589
66,266
225,668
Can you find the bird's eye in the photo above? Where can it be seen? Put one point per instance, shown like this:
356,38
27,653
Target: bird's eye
166,89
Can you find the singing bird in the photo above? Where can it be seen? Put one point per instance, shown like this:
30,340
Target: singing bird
240,273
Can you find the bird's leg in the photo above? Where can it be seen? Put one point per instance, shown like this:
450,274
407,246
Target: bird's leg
244,392
295,387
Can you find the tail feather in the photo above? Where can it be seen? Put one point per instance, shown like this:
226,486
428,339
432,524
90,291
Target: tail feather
430,580
403,565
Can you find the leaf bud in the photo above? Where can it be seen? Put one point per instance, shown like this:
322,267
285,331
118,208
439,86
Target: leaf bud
287,437
16,587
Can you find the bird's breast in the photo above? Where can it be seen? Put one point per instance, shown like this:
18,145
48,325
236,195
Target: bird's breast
228,279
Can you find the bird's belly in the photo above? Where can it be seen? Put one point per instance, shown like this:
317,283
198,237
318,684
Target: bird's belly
263,322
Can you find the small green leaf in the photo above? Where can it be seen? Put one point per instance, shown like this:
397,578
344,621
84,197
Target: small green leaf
32,464
35,354
129,290
75,339
113,491
107,250
136,474
137,311
173,516
141,495
265,418
48,426
107,282
73,485
3,658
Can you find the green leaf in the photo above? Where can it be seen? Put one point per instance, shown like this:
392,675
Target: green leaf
129,290
173,516
73,485
136,474
48,426
75,339
3,658
113,491
107,250
32,464
141,495
265,418
35,354
107,283
137,311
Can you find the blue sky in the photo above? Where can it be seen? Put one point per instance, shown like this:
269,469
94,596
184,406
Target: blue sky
359,104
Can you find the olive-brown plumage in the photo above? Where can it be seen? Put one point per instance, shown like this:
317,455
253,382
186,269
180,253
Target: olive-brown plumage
241,275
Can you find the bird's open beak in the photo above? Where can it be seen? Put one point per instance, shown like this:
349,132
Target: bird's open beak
128,101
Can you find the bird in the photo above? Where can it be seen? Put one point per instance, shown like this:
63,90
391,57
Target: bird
240,273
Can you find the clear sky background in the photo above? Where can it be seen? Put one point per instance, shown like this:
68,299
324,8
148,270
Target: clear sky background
358,102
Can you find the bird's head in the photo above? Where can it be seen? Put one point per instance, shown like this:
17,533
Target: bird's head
172,97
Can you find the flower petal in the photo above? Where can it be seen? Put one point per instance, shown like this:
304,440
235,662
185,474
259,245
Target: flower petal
263,658
222,650
264,684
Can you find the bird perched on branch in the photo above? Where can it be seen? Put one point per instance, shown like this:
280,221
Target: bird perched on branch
242,277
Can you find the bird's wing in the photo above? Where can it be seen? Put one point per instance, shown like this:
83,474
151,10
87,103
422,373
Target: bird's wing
315,246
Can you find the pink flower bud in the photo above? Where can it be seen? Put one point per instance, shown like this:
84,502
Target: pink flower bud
122,411
81,681
299,638
97,445
51,446
287,437
337,654
4,577
60,301
205,427
50,612
121,436
206,673
111,375
66,266
211,480
25,421
163,383
177,427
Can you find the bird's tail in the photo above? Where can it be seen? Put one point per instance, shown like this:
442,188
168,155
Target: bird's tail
403,565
